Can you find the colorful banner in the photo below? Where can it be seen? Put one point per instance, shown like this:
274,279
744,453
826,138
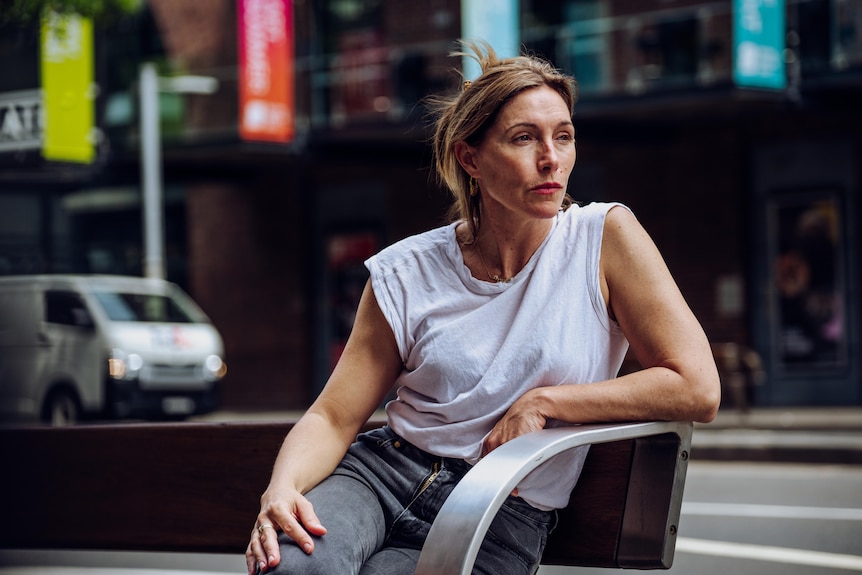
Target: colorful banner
68,91
266,84
758,44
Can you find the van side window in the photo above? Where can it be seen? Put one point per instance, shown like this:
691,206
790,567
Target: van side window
142,307
66,308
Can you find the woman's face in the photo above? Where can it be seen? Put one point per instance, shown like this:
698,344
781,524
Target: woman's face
523,163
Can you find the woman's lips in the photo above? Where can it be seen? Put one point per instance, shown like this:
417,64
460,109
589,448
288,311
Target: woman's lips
549,188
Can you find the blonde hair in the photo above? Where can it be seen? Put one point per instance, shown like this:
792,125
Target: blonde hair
467,116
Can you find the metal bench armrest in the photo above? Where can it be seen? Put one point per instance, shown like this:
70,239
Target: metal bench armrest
459,529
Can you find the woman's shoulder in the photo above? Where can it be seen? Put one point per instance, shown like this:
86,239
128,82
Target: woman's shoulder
582,218
432,243
595,209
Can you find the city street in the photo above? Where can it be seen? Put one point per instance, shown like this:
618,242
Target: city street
767,519
740,518
215,212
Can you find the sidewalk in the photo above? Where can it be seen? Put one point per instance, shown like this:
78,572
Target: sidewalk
791,435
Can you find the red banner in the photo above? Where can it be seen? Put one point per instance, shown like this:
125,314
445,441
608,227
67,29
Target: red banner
266,98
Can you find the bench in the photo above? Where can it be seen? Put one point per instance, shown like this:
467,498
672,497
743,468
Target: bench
195,488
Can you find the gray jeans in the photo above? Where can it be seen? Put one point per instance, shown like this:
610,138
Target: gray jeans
379,504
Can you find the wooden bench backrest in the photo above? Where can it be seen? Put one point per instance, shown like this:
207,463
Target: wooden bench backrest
624,511
195,487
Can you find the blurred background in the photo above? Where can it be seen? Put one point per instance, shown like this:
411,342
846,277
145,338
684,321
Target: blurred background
279,143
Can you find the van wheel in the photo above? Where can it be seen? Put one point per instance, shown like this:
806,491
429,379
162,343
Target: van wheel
61,408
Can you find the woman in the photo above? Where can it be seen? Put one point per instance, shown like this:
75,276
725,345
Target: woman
488,327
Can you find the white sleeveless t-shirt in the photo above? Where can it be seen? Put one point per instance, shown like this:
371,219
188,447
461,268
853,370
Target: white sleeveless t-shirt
470,348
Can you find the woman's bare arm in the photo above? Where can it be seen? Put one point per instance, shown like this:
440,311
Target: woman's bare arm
679,380
360,381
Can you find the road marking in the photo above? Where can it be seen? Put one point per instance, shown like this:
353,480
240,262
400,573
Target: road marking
771,511
769,553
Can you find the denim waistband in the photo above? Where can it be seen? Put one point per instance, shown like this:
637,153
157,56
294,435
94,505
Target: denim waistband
457,466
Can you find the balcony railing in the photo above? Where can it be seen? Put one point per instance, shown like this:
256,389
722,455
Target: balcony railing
686,49
369,82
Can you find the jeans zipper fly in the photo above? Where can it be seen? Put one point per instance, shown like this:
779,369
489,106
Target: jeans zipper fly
435,470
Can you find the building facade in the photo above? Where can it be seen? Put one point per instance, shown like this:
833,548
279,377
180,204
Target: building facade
750,192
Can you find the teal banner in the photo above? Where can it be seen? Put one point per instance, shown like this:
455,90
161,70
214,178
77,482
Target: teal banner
758,44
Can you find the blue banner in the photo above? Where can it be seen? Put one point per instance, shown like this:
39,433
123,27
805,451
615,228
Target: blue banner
758,44
496,22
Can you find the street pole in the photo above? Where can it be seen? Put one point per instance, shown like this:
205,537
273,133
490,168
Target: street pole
151,172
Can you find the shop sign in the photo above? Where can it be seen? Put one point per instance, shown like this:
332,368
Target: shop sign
758,42
266,83
20,120
67,88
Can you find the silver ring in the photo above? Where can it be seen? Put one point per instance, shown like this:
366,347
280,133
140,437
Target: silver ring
262,527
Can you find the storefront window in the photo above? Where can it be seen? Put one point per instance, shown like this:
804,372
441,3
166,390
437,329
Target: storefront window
846,34
584,44
612,49
809,295
379,59
358,72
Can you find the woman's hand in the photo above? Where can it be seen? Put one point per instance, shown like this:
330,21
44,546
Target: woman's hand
524,416
286,511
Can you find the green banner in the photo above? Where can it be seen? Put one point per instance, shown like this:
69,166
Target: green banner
68,91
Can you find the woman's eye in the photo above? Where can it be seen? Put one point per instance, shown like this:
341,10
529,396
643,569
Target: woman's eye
522,138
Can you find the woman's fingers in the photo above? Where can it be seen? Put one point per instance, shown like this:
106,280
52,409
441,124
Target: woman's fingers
263,551
298,527
254,554
268,538
307,516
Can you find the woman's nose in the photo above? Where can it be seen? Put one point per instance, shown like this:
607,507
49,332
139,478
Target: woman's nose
549,158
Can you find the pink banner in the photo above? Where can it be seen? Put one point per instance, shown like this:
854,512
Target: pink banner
266,98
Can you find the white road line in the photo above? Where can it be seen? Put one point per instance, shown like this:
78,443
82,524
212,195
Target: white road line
769,553
771,511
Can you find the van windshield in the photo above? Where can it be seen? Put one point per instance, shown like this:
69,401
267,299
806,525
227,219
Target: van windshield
143,307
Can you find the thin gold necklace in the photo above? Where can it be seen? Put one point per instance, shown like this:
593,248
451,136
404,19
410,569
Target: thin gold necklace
494,277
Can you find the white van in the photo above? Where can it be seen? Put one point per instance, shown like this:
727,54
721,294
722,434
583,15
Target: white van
105,346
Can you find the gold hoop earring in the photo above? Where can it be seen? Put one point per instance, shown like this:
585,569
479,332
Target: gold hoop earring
474,187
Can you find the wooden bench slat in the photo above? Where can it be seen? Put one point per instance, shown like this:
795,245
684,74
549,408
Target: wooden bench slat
589,527
137,487
195,487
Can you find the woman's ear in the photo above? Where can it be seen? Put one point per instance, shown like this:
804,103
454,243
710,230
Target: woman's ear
466,155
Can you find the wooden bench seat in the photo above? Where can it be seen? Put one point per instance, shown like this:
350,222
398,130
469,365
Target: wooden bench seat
195,487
